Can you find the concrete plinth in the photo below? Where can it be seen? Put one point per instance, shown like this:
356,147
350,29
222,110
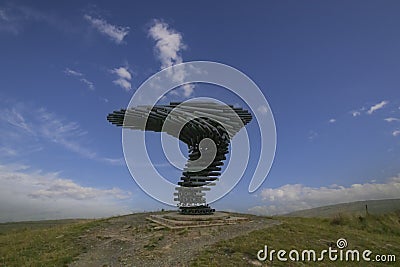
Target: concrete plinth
174,220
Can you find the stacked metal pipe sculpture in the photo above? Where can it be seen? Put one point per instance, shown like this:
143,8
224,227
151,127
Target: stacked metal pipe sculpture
206,128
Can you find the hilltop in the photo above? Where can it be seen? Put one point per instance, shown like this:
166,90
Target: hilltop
375,207
132,240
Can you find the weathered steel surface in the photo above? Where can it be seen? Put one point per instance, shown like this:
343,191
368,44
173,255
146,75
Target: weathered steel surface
191,122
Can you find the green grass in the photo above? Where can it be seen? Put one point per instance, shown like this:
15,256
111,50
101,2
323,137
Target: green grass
153,242
376,207
32,225
58,243
380,234
55,245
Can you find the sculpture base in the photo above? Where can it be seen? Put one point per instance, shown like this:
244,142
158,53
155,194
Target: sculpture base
198,210
176,220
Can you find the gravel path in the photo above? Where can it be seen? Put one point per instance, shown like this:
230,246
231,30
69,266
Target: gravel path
134,241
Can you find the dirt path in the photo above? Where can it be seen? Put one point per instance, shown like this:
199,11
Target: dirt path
133,241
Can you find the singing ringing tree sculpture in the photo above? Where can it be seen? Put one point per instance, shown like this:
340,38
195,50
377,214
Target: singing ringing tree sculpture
205,127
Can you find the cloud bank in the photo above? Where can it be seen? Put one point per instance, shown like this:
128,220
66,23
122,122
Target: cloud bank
27,194
292,197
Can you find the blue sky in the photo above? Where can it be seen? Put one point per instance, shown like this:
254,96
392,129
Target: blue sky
329,70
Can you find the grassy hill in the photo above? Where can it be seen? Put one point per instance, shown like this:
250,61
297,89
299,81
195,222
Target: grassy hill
131,240
375,207
378,233
42,243
34,225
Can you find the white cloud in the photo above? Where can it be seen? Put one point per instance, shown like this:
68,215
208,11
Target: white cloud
15,18
312,135
7,151
169,45
67,134
3,15
11,20
357,112
68,71
80,75
15,118
115,33
122,73
391,119
188,90
396,133
124,77
262,109
293,197
114,161
89,84
61,132
123,83
103,99
376,107
28,194
64,188
332,120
